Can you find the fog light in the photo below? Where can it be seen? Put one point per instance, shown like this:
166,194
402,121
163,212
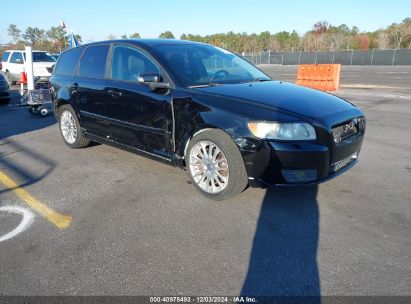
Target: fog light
299,176
344,162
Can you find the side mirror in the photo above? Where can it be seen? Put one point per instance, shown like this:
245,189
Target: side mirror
153,81
149,78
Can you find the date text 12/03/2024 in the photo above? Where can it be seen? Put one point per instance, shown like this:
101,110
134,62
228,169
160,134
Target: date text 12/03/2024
203,299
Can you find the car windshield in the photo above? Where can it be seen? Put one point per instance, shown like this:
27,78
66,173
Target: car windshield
41,57
204,65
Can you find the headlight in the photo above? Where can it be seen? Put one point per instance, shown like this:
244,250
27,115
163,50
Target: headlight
282,131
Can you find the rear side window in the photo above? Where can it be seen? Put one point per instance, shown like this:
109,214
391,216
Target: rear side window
41,57
16,57
5,57
67,62
93,63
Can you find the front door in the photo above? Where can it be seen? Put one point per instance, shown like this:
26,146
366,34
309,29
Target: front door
139,117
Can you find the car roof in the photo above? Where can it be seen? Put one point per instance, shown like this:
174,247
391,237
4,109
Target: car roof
146,42
37,51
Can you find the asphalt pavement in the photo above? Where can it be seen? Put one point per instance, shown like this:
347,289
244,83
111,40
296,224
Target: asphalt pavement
108,222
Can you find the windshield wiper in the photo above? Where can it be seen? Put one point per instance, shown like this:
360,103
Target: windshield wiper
256,80
211,84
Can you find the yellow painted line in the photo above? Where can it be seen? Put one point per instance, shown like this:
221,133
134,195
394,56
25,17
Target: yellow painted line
60,220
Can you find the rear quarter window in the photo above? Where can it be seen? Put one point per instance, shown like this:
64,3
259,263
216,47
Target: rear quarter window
5,57
67,63
93,62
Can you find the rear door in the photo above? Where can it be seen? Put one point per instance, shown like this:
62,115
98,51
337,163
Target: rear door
91,99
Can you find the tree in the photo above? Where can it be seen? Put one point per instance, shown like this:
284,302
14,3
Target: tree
34,35
167,34
338,36
294,41
58,38
123,36
383,40
362,42
14,32
135,36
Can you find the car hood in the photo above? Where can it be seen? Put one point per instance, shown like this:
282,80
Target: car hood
287,97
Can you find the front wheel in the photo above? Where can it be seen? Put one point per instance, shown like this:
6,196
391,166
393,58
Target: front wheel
70,128
215,165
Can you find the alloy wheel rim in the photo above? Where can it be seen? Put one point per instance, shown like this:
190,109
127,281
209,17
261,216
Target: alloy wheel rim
209,167
68,127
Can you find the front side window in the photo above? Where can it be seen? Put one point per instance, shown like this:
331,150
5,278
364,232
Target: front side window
5,56
16,57
128,64
67,62
93,63
201,64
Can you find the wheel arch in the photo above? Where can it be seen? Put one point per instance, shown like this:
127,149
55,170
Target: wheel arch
191,118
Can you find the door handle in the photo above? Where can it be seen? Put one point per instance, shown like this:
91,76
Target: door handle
114,93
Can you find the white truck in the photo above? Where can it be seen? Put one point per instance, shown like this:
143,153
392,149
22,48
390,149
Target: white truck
13,62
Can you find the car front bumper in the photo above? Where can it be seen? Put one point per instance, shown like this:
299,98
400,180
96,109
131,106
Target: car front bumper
299,163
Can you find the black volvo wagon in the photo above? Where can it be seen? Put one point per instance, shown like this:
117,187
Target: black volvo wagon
205,109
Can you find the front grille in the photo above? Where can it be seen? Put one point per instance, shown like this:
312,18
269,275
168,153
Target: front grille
348,129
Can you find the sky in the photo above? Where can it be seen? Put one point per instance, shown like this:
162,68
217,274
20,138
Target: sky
95,20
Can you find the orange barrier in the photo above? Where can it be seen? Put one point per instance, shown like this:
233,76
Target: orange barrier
324,77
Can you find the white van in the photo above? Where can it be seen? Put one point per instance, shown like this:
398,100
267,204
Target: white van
13,61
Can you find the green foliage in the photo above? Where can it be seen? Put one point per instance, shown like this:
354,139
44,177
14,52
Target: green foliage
14,32
322,37
135,36
167,34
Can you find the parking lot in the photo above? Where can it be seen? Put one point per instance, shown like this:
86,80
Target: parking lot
102,221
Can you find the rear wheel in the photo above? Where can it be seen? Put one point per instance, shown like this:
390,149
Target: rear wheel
70,128
215,165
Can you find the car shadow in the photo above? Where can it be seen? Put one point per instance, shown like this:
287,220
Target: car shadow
15,120
283,256
24,175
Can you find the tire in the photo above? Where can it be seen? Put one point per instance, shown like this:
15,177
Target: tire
70,128
220,174
43,111
33,110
